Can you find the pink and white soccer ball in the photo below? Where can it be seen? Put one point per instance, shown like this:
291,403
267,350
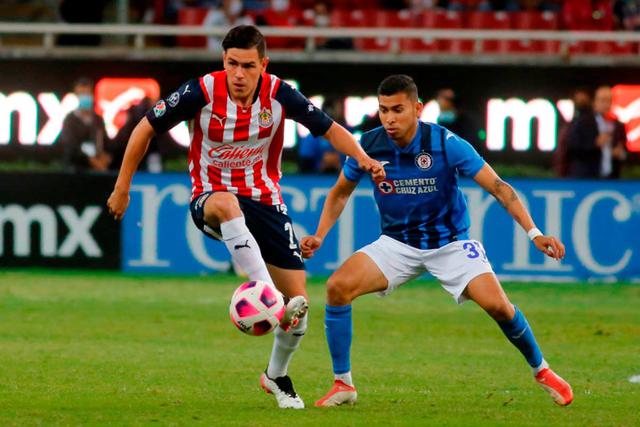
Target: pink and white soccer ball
256,307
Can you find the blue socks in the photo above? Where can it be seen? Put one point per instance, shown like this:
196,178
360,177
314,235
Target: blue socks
519,333
339,330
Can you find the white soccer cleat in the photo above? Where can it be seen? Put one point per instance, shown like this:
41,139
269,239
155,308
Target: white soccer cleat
340,394
296,308
282,389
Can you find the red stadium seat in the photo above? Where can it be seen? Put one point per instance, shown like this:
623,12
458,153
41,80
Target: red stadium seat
491,21
346,18
192,16
609,48
285,19
533,20
378,18
426,20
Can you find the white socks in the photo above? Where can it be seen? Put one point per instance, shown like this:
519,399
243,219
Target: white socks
246,254
542,366
345,378
284,345
244,249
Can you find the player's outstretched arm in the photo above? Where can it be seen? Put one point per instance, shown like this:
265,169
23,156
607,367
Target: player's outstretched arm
345,143
333,207
488,179
136,148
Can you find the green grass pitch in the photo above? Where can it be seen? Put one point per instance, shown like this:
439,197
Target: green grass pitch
102,349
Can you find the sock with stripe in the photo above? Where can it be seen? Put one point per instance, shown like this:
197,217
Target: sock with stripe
284,345
339,330
518,331
244,249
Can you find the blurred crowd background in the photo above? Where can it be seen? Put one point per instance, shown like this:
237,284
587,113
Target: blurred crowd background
591,144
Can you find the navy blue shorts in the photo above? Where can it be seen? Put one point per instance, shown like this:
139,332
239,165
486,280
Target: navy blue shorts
270,225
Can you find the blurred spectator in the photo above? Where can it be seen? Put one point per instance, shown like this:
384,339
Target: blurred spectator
316,154
321,17
81,12
582,103
596,142
627,14
229,15
29,10
417,6
171,8
256,5
455,119
83,137
159,144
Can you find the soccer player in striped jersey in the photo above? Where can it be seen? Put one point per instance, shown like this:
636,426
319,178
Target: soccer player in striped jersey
425,227
236,120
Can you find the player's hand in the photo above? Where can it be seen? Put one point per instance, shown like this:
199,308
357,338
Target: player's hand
373,167
310,244
550,246
118,203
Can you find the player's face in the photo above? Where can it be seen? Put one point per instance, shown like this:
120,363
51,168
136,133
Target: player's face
243,67
399,115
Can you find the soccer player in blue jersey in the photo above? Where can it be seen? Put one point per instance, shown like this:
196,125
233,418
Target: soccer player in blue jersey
425,227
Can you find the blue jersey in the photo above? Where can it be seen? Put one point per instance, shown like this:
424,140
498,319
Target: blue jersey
419,201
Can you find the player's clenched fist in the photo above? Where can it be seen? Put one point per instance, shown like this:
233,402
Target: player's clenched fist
309,245
373,167
550,246
118,203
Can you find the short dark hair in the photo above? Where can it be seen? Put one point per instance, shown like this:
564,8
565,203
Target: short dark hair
245,37
398,83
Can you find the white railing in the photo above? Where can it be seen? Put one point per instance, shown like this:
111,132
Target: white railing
118,42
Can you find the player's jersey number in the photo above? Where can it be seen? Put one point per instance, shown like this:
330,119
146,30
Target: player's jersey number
474,250
292,242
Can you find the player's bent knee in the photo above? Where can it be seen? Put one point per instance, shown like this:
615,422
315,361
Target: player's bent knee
339,290
221,207
502,312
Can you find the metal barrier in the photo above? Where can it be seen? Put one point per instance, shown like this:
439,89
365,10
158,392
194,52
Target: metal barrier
138,48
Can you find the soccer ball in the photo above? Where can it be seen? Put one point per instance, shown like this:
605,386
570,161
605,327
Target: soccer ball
256,307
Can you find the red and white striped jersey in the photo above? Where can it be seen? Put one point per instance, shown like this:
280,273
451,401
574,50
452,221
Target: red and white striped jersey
232,148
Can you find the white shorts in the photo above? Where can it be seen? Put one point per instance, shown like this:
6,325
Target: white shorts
454,265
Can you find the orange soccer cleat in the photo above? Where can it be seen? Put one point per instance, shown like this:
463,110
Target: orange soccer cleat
339,394
559,389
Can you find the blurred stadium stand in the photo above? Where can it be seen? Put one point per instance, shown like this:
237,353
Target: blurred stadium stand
573,31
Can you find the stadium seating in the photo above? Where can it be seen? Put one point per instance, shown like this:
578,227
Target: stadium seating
533,20
192,16
368,14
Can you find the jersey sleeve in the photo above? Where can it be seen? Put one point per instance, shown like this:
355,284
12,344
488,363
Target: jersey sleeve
297,107
351,170
182,104
462,155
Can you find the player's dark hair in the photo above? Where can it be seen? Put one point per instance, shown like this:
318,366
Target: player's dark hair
245,37
398,83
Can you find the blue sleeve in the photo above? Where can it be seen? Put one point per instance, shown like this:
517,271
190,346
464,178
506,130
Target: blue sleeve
462,155
181,105
297,107
351,170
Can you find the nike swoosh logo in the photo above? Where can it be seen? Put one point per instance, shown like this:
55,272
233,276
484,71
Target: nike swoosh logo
384,163
520,334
